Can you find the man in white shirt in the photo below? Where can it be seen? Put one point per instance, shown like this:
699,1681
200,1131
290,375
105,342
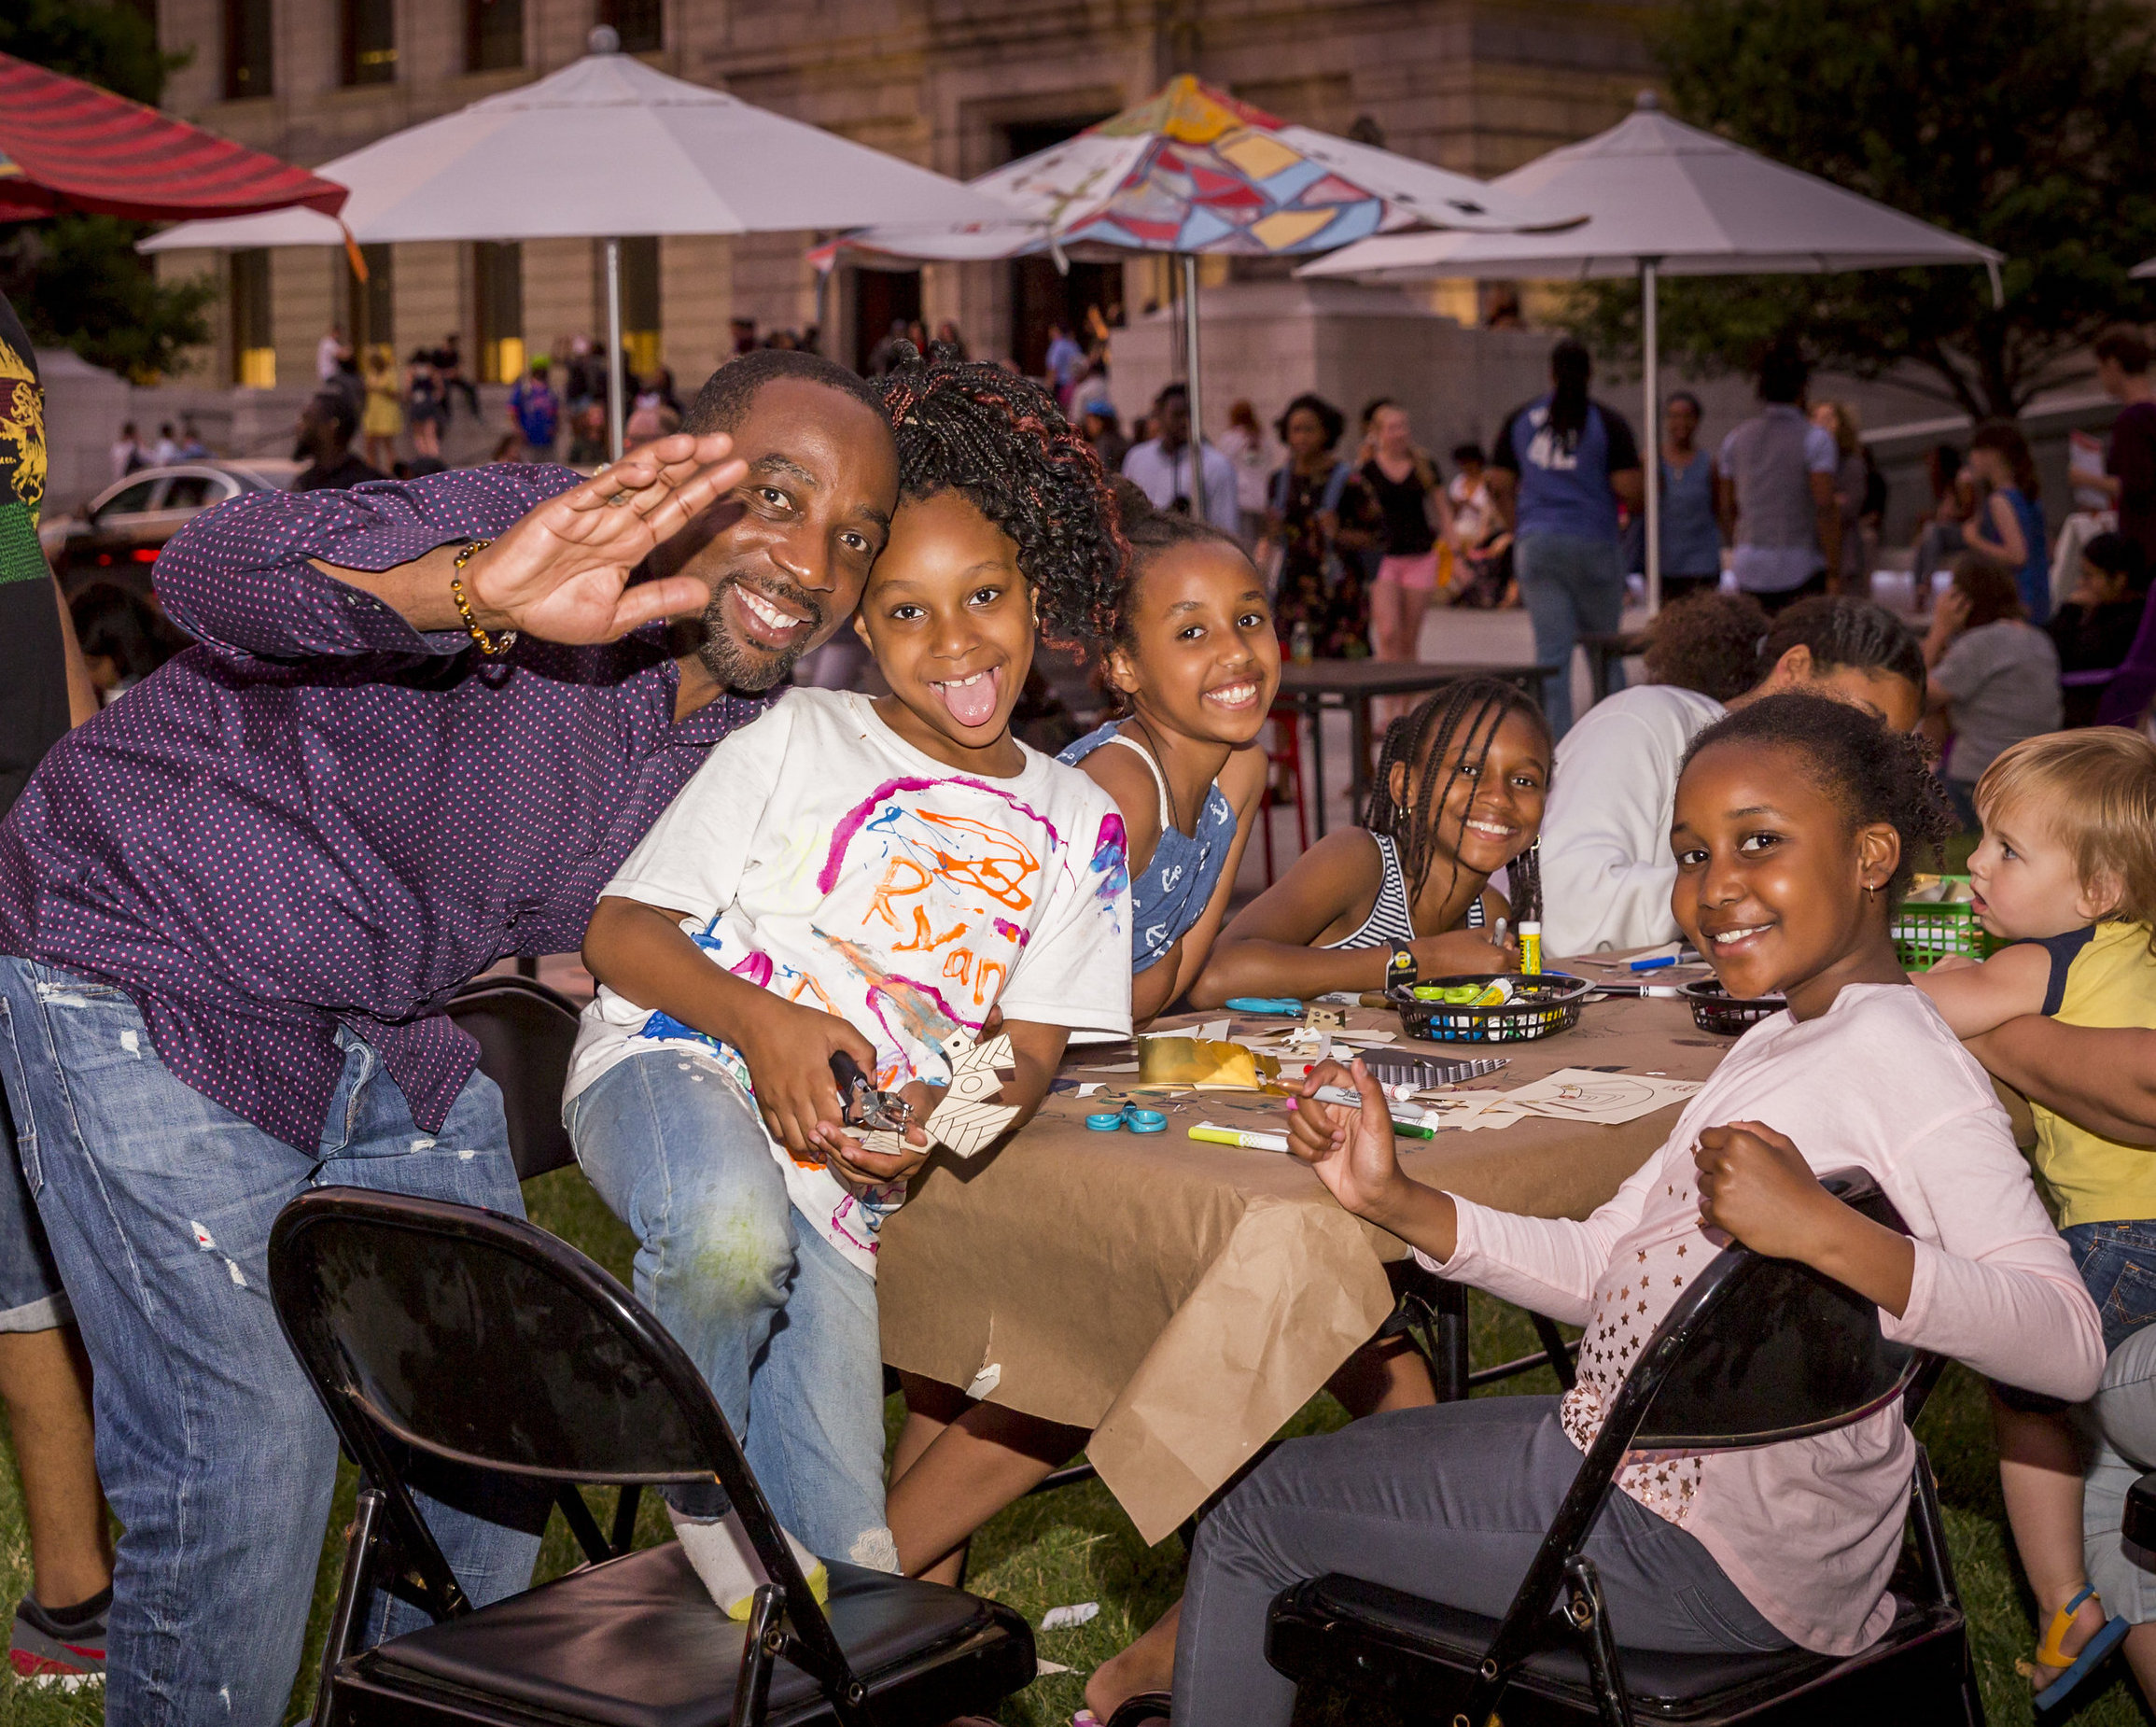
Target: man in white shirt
329,353
1774,489
1166,468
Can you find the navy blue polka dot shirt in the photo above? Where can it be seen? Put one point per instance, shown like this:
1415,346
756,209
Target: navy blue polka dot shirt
321,817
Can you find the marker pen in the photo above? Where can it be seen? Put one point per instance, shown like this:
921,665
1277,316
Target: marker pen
1218,1135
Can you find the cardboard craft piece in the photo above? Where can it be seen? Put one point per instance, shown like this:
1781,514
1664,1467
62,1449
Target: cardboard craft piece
1173,1061
967,1127
1586,1094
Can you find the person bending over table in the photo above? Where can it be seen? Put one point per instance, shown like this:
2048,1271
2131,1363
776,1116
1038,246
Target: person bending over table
425,724
1458,796
1797,821
1606,868
1194,657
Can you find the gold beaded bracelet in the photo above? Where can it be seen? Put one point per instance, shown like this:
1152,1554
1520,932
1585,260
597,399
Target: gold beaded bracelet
489,645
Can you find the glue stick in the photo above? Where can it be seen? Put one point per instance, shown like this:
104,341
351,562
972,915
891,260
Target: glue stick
1529,945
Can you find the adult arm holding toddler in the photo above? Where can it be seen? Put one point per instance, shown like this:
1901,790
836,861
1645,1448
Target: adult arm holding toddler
1459,796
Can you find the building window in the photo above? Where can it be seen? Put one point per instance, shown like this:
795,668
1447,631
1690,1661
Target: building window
369,42
640,23
497,279
640,305
247,37
254,348
493,35
370,306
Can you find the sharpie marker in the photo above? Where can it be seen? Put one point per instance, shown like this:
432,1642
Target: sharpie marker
1414,1125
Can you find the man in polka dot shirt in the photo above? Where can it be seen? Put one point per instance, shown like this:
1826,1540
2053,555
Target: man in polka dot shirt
232,906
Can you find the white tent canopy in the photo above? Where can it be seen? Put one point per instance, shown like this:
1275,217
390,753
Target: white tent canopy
603,147
1663,198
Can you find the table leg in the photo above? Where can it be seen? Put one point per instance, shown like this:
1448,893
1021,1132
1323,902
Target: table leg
1359,751
1311,706
1451,1368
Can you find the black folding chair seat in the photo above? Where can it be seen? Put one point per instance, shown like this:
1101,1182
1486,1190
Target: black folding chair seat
636,1642
525,1032
1756,1352
1424,1652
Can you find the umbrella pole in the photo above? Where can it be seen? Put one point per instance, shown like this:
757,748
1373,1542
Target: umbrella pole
1190,356
1651,466
614,367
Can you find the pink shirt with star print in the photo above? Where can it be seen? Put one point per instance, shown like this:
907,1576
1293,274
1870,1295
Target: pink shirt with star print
1809,1529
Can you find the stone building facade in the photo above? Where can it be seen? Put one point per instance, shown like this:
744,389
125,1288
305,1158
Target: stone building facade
958,85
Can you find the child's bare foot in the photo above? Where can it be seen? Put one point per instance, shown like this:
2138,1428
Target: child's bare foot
1147,1665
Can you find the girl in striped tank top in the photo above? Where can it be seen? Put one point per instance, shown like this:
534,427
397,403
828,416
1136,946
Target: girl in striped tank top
1458,796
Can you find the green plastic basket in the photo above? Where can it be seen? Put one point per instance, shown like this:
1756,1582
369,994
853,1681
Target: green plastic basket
1923,935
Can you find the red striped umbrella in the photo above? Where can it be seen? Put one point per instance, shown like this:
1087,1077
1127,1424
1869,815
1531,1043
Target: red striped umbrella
67,146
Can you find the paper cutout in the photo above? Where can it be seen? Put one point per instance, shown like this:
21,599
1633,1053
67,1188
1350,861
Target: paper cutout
1585,1094
967,1127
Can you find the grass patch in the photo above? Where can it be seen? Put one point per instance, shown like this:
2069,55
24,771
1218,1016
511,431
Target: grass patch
1075,1545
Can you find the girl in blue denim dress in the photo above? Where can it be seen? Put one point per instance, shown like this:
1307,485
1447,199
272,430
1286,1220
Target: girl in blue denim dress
1196,665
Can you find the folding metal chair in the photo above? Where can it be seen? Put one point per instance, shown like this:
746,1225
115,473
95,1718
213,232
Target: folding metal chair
446,1340
1756,1352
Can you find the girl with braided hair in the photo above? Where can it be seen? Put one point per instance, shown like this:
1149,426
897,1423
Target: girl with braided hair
1458,796
906,864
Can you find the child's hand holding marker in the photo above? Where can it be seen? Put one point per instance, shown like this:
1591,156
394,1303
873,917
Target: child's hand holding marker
1352,1151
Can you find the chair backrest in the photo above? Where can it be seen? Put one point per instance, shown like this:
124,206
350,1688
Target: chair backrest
486,1342
483,1343
1762,1350
525,1032
2127,697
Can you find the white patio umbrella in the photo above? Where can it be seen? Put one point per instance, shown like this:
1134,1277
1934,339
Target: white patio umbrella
1663,198
605,147
1191,170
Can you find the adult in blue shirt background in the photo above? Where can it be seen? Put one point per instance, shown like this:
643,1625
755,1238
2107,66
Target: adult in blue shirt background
1561,468
2007,528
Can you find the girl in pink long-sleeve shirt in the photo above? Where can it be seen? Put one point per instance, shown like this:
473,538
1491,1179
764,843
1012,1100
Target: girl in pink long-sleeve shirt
1798,819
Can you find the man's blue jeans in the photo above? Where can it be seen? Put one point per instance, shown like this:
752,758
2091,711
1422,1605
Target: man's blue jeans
1571,587
213,1449
780,1325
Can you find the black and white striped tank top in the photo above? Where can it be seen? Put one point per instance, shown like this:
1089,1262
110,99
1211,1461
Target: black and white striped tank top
1390,918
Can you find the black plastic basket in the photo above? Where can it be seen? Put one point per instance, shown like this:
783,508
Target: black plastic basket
1715,1009
1543,1004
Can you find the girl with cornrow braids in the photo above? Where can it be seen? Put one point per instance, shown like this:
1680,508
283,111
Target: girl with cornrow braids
1458,796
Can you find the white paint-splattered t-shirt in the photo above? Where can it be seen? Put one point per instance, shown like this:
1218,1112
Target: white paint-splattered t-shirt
822,856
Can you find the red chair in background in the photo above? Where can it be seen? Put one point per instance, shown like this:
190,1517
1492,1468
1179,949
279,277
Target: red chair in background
1284,758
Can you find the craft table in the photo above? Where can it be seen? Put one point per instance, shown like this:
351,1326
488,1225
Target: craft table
1182,1299
1351,685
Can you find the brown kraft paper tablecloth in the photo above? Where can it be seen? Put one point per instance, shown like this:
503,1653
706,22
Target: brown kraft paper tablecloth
1183,1299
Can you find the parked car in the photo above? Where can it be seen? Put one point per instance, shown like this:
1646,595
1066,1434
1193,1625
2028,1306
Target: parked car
119,536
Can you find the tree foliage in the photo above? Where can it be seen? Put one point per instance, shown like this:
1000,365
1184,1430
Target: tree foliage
2029,127
77,281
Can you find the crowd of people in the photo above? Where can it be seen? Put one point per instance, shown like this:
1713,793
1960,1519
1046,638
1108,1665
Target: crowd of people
429,725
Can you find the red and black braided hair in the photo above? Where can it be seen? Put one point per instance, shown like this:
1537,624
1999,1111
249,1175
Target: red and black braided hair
1001,442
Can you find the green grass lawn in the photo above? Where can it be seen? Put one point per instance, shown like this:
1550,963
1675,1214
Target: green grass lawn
1075,1545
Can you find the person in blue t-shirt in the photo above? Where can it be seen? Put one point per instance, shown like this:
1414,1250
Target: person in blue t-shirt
2007,528
1561,468
537,411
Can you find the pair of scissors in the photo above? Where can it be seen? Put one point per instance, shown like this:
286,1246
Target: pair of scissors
863,1105
1131,1116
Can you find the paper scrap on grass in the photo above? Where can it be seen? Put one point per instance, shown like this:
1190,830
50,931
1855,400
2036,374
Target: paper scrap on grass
1584,1094
1071,1618
1047,1669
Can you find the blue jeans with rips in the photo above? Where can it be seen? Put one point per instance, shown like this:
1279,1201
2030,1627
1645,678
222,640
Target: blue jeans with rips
782,1327
214,1451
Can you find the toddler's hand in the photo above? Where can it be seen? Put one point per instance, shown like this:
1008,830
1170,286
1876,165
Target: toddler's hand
1756,1186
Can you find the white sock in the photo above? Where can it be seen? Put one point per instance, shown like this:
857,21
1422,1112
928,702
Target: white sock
719,1550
